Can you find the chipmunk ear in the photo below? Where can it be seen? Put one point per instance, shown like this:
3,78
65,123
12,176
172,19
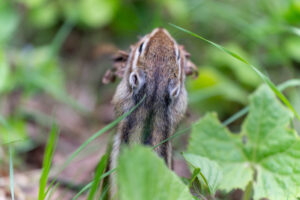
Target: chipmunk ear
174,89
174,92
118,68
190,68
136,80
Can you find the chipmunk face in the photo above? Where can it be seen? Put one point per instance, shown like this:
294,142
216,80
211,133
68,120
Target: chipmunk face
155,69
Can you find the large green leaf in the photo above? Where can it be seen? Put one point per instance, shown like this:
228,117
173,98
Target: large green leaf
267,151
143,175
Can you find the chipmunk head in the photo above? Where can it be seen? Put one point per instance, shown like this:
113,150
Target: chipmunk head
155,68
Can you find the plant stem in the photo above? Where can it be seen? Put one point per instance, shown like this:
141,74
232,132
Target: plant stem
248,191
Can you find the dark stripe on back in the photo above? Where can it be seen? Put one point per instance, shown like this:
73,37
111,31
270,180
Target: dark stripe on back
147,133
127,126
166,127
165,135
131,120
148,129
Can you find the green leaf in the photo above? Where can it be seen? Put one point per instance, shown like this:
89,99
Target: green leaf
266,147
143,175
209,169
210,139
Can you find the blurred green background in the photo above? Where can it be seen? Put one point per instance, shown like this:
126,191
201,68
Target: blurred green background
53,54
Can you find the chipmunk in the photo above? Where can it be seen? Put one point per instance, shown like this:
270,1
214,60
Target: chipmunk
156,68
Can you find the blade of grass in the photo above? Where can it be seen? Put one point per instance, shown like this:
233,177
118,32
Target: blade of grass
86,187
61,35
105,190
89,140
195,173
236,116
11,172
194,176
49,152
203,177
52,191
261,75
289,83
178,133
97,178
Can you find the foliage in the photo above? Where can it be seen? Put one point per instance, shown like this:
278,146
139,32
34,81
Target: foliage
266,152
153,179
